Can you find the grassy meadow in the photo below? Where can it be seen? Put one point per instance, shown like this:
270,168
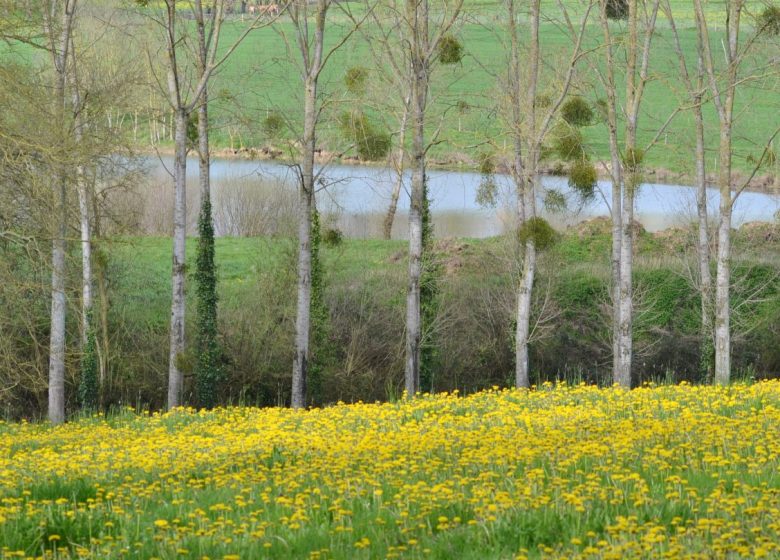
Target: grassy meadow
558,472
259,79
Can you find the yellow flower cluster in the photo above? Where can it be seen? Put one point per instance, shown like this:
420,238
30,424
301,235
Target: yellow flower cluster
562,472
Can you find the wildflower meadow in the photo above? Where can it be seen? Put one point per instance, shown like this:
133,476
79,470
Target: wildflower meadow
560,472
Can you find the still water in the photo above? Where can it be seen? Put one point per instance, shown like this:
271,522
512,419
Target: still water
356,197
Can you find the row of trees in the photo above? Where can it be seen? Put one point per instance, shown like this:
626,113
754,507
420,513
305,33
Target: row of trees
541,108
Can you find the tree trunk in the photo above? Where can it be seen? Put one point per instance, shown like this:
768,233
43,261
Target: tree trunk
524,295
625,299
177,348
723,271
208,367
56,403
525,174
413,319
86,257
387,229
305,202
703,243
58,308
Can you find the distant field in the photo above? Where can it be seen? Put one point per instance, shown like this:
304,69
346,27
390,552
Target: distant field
264,81
566,472
259,79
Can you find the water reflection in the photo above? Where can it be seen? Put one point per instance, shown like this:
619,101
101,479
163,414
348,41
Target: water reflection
258,197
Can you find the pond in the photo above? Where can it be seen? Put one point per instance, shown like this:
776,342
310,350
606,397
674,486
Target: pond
355,198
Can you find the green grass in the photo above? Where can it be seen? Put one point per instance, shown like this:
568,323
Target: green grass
263,80
260,77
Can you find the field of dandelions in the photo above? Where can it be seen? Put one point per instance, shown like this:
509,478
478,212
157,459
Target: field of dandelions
559,472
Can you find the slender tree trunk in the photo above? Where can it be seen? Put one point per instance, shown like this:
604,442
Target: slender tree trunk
305,207
525,178
625,299
616,211
413,318
703,243
390,216
58,309
104,345
524,295
86,256
723,271
177,348
57,343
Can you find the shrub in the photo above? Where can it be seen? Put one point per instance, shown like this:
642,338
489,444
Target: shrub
355,80
568,143
554,201
370,144
617,9
583,178
487,163
450,50
632,159
539,231
273,124
486,192
577,112
769,21
543,100
333,237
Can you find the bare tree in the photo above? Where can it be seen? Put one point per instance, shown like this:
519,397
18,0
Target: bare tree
310,44
528,125
625,165
423,30
723,88
183,98
58,20
696,88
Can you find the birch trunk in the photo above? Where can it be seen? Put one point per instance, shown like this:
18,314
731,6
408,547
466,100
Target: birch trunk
625,298
305,201
86,255
722,307
58,309
723,270
177,342
524,295
703,242
616,211
413,319
56,401
723,99
525,180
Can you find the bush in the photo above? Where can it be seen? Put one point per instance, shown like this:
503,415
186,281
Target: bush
333,237
450,50
543,100
487,163
568,143
583,178
370,144
539,231
554,201
769,21
617,9
486,192
632,159
273,124
577,112
355,80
